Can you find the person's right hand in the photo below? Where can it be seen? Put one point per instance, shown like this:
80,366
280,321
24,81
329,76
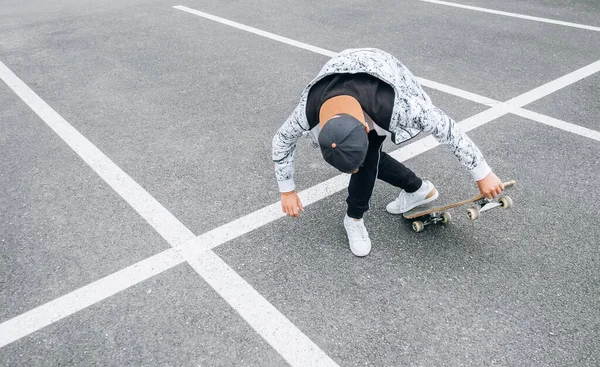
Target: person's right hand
490,186
291,204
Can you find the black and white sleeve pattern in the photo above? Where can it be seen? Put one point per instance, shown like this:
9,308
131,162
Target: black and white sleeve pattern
433,120
284,146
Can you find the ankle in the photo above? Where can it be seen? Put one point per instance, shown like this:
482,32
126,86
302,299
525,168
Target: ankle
353,217
413,189
425,188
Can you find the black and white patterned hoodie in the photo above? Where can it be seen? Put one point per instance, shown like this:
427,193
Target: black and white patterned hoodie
412,113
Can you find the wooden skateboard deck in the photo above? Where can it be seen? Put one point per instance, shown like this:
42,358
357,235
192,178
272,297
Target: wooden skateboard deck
434,214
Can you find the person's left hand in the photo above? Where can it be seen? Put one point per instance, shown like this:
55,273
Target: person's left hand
490,186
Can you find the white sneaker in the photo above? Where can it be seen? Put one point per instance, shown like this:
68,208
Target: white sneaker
360,243
407,201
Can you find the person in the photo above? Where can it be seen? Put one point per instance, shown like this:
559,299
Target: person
359,98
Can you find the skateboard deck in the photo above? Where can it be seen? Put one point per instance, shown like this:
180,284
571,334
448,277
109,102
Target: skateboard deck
430,214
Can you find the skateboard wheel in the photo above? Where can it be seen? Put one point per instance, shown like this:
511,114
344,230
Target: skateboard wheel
418,226
506,202
473,213
446,217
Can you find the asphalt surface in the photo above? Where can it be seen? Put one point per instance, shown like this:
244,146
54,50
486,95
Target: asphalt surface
187,107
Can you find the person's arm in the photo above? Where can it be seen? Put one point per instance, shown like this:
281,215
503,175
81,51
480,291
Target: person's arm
433,120
283,149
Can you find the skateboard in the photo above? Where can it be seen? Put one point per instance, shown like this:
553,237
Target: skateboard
431,215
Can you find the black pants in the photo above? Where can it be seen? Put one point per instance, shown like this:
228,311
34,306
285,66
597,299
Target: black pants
379,165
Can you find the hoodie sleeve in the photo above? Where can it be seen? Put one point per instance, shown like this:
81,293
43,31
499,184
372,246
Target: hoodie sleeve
432,120
284,146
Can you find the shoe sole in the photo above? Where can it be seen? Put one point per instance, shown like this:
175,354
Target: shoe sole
360,254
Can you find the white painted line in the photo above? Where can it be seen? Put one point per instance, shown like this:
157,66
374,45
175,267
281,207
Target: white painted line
499,108
555,85
458,92
165,224
44,315
514,15
261,217
293,345
315,193
169,227
53,311
259,32
559,124
159,218
428,83
268,214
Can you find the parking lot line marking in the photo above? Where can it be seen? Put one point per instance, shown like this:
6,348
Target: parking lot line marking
169,227
428,83
262,217
259,32
554,85
498,108
514,15
46,314
563,125
68,304
185,249
291,343
165,223
458,92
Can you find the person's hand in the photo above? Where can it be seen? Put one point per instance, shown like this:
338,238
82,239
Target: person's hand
291,204
490,186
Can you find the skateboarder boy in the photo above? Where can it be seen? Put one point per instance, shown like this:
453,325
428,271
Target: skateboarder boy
360,97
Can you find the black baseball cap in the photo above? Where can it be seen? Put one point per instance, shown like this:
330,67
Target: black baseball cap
344,142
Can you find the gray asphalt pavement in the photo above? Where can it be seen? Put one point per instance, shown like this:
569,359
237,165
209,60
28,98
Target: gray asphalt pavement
576,103
187,107
61,226
512,289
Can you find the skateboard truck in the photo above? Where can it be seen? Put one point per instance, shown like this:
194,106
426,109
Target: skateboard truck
485,204
433,218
